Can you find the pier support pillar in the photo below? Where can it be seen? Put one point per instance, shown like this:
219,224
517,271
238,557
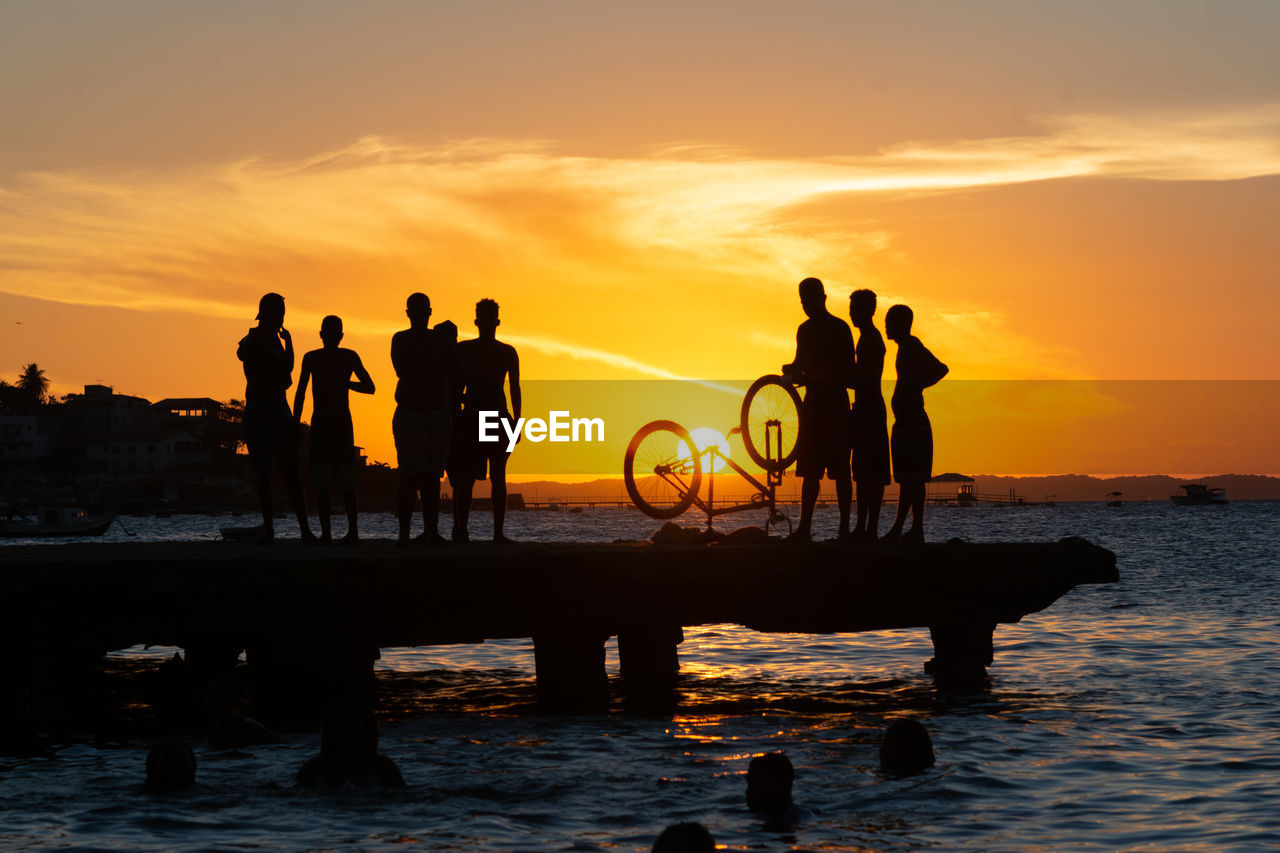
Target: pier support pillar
650,666
570,671
961,654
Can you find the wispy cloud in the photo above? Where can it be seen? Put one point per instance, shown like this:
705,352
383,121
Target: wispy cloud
550,346
383,215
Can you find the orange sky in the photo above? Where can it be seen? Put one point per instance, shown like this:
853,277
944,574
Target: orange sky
1058,190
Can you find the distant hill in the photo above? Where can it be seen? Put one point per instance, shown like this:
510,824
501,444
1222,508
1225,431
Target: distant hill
1080,487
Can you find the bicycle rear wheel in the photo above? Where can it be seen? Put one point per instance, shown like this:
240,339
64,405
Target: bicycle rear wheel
662,469
771,423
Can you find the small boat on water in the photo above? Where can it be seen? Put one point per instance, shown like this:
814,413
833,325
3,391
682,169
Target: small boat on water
56,521
1198,494
241,534
1113,499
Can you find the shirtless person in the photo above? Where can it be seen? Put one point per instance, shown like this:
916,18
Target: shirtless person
870,432
427,365
333,442
824,364
912,439
268,427
490,365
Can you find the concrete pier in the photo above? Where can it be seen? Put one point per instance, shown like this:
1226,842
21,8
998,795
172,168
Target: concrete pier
311,615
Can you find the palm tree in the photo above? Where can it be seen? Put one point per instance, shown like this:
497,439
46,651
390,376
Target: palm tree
34,382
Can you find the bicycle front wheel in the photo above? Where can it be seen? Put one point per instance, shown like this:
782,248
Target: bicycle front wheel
771,423
662,469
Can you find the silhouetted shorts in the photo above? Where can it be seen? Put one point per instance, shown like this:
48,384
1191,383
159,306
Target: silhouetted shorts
870,442
332,438
269,434
913,450
422,439
472,458
823,446
326,474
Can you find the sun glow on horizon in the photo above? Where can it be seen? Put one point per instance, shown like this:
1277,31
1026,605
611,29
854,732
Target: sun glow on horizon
705,438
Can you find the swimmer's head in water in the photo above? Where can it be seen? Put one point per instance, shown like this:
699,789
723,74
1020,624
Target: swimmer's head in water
171,765
689,837
331,330
906,748
349,731
769,779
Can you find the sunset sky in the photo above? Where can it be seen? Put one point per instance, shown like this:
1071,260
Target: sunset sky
1073,190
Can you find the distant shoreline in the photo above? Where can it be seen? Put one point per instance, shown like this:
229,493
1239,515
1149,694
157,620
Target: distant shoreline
1059,487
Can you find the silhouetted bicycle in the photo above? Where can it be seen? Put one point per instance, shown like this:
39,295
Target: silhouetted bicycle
663,468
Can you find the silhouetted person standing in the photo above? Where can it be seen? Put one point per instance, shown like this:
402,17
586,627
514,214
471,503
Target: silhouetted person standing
269,430
490,365
824,364
870,429
912,438
333,450
428,367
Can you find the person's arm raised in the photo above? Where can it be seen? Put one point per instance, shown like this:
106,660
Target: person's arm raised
288,349
363,383
931,369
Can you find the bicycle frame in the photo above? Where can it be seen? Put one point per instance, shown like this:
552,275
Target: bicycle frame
766,493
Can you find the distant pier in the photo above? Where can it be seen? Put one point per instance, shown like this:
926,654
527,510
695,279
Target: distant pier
315,616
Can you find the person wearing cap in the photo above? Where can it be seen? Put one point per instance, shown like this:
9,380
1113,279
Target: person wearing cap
429,375
269,431
824,364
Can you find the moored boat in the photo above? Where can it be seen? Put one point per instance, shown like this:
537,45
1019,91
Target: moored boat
1198,494
57,521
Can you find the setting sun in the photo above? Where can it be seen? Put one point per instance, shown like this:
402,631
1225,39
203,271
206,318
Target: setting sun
706,438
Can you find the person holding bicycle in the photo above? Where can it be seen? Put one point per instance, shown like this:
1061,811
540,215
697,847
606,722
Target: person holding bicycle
825,363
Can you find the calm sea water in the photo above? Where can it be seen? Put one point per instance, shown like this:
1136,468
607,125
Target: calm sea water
1136,715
